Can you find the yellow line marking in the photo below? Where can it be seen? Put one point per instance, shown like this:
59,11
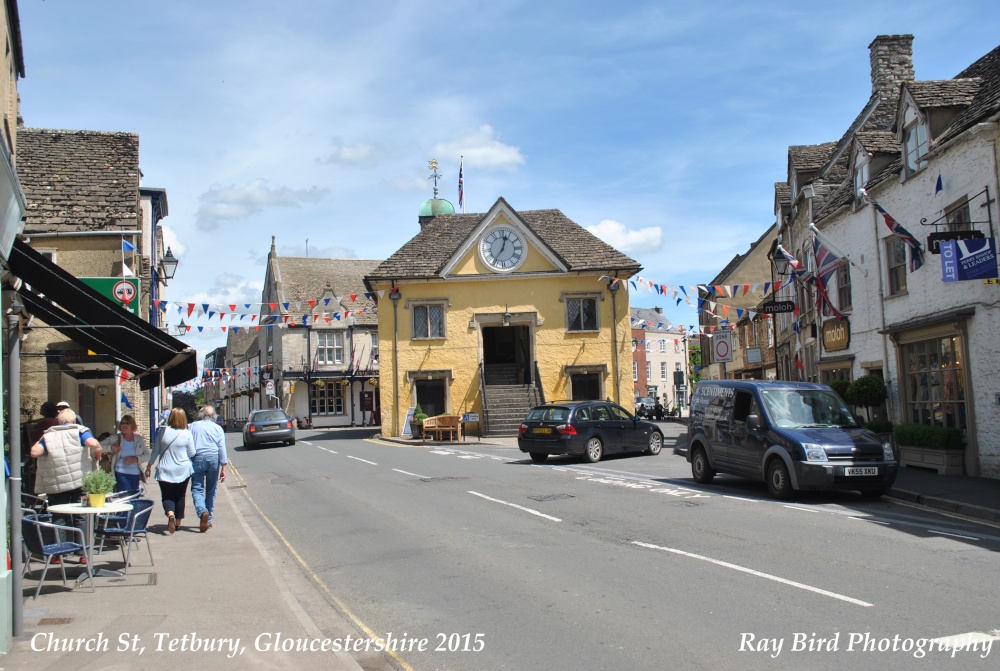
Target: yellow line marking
391,444
315,578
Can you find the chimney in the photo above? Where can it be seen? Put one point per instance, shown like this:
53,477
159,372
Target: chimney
659,311
892,64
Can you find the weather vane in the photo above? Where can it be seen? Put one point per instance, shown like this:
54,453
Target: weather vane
432,165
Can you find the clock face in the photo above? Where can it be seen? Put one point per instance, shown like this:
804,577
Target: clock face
502,248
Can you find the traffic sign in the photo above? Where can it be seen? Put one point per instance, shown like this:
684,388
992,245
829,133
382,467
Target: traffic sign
269,387
722,346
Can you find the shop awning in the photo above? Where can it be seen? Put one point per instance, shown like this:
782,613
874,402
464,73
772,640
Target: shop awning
81,314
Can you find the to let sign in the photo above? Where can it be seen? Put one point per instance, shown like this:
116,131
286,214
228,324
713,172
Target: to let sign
836,334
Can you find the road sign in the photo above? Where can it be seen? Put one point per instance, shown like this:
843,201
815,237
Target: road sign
470,417
722,346
269,387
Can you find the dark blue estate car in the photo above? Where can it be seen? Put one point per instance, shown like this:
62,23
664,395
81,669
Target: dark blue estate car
589,429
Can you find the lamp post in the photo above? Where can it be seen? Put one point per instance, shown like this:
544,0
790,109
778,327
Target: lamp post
14,313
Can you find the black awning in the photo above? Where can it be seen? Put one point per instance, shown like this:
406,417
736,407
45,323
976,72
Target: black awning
88,318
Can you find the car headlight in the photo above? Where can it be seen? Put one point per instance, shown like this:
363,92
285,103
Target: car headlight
814,452
887,451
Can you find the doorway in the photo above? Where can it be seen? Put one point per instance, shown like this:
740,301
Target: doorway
586,386
431,397
507,354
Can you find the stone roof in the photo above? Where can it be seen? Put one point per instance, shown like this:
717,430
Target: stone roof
947,93
878,141
241,345
809,157
78,180
783,193
304,279
655,321
986,102
425,255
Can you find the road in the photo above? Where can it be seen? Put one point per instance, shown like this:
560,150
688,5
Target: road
498,563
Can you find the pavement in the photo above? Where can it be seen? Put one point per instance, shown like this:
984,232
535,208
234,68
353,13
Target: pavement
236,595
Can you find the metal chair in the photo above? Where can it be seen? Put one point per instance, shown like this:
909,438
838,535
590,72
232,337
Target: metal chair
118,520
133,530
31,532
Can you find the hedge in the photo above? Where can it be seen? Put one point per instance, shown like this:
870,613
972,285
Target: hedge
933,437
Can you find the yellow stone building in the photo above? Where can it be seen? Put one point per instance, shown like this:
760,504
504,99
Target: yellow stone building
492,313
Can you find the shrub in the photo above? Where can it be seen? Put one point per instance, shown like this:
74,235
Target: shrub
98,481
867,392
840,386
933,437
418,414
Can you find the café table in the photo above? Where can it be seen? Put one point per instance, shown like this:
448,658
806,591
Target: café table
91,513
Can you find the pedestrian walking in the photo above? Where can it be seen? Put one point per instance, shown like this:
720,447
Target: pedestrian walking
174,450
129,454
209,464
658,411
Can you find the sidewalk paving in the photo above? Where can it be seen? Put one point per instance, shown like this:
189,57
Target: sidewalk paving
207,594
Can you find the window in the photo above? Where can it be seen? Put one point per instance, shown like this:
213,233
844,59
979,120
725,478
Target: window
581,314
635,371
844,286
935,382
649,372
914,141
663,345
663,370
959,217
374,347
428,321
677,365
895,252
330,347
328,399
860,171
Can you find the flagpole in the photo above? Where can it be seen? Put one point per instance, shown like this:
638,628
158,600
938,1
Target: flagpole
835,249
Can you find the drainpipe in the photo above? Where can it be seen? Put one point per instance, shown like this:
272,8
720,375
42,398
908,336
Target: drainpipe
14,443
614,339
881,311
395,296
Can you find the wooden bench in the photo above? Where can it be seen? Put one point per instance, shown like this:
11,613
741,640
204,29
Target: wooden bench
443,427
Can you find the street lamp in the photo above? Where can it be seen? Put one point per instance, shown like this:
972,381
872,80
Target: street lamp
168,265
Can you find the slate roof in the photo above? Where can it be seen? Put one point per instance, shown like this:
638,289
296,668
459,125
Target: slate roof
655,321
783,193
78,180
947,93
303,279
809,157
879,141
987,100
241,345
425,255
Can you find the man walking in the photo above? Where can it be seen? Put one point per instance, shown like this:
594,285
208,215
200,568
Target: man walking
209,464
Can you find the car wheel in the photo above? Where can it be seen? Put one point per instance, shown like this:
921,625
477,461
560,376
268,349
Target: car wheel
291,442
595,450
539,457
701,469
873,493
778,481
655,443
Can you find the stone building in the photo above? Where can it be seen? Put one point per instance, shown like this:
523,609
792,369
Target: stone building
662,349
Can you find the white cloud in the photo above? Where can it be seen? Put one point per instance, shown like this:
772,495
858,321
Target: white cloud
172,242
621,238
219,205
481,149
360,155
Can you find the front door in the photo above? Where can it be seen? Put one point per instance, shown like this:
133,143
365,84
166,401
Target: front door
507,354
431,397
586,386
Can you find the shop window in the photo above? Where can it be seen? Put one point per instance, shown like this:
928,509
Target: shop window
933,373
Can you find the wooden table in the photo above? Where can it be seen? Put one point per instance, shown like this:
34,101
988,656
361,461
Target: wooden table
91,513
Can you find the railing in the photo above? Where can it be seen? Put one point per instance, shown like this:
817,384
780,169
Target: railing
538,384
484,421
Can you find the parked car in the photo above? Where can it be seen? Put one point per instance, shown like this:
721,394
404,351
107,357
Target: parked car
268,426
589,429
791,435
644,406
221,421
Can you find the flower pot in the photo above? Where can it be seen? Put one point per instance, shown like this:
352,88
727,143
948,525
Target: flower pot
945,462
416,429
96,500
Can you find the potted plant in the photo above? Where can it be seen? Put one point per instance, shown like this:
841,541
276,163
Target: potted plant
417,423
98,483
939,447
867,392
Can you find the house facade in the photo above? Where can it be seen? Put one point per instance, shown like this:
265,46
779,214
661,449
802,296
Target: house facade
489,313
662,349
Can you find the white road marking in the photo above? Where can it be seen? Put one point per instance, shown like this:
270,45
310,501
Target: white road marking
470,456
440,452
305,442
970,641
514,505
805,510
364,460
408,473
945,533
740,498
759,574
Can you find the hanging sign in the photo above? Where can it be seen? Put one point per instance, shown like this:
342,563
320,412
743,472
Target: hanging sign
836,335
777,307
722,347
968,259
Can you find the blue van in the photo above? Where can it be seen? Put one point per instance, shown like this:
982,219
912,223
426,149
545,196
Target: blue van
791,435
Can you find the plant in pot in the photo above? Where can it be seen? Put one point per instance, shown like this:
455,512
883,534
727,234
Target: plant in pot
867,392
417,423
98,483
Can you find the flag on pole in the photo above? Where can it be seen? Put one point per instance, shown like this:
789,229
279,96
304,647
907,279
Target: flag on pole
916,251
461,183
826,265
128,246
795,266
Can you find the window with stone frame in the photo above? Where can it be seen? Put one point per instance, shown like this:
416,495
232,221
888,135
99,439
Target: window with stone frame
958,216
895,254
428,320
581,313
860,171
663,370
663,345
635,371
649,371
915,143
844,300
329,347
934,382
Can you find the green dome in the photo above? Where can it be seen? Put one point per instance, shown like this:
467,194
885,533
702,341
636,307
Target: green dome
436,206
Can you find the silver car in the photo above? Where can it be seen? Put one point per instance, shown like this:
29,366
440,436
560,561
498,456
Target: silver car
268,426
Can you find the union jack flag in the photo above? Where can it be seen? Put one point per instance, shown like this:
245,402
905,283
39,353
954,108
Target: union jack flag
795,266
916,251
461,183
826,265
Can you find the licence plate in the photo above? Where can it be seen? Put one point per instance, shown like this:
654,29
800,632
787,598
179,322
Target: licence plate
861,470
542,429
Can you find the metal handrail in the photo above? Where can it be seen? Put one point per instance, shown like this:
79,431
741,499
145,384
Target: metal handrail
538,384
485,417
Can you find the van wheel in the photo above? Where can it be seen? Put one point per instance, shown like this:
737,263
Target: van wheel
778,481
655,443
595,450
700,468
539,457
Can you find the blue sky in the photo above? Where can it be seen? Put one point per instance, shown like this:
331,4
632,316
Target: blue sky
661,126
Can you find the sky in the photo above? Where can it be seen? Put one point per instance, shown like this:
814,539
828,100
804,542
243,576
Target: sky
659,126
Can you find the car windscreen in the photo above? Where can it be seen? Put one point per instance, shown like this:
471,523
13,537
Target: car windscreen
800,408
270,416
554,414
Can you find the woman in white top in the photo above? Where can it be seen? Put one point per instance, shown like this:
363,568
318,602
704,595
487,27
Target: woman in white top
174,450
129,454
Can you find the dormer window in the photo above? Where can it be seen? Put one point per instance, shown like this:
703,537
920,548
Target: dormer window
915,143
860,171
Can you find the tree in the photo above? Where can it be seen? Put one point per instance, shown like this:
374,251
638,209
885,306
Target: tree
694,361
187,402
867,392
840,386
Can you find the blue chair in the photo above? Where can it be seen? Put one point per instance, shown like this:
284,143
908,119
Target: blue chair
118,520
132,530
32,530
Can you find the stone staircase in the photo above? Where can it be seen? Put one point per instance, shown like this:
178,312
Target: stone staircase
507,405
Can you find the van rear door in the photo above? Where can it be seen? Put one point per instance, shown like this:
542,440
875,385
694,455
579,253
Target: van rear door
746,447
